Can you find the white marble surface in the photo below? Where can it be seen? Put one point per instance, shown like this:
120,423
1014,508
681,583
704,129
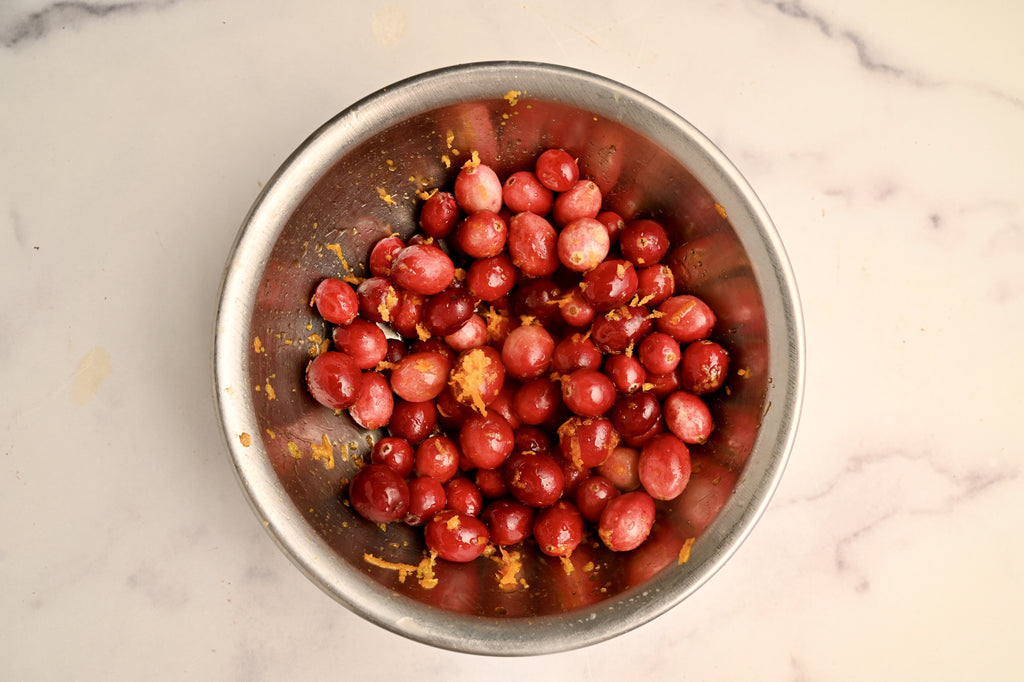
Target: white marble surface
886,139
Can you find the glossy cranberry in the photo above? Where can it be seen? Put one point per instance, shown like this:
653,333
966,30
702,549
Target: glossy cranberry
523,191
576,309
491,278
426,498
532,244
477,188
375,404
688,417
527,352
396,351
664,467
574,352
582,200
491,483
481,234
363,341
613,223
659,353
534,479
472,334
486,439
412,421
437,457
336,301
558,529
655,284
635,413
529,438
587,442
456,537
644,242
645,437
583,245
538,299
685,318
423,268
621,468
502,403
704,367
626,521
588,392
446,312
334,380
626,373
394,453
407,315
378,494
611,284
463,496
439,214
383,253
477,377
592,495
420,376
508,521
557,170
537,401
377,298
618,331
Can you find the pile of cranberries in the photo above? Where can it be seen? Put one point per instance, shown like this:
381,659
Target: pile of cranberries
547,376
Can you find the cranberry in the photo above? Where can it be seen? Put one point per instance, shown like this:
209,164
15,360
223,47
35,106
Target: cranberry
664,467
593,494
377,297
334,380
538,299
394,453
703,367
557,170
463,496
576,309
626,521
378,494
588,392
363,341
508,521
685,318
472,334
439,214
582,200
613,223
626,373
532,244
423,268
383,253
587,442
537,401
426,498
477,377
456,537
491,278
477,188
655,284
420,376
618,331
659,353
621,468
534,479
574,352
610,285
481,234
336,301
412,421
407,315
486,439
373,408
643,242
523,191
709,487
527,352
491,483
583,244
558,529
437,457
688,417
635,413
446,312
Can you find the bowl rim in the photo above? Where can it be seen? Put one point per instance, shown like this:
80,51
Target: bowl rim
255,238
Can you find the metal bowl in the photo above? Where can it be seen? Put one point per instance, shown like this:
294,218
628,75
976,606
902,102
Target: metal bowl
355,180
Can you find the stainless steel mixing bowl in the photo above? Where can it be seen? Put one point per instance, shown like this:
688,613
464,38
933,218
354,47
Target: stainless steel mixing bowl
355,180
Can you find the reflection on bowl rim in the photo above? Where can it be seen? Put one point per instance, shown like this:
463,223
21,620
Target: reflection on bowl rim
280,197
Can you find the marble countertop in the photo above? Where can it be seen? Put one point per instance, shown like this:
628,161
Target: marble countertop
885,139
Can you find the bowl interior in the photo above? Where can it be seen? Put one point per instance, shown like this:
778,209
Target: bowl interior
358,179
